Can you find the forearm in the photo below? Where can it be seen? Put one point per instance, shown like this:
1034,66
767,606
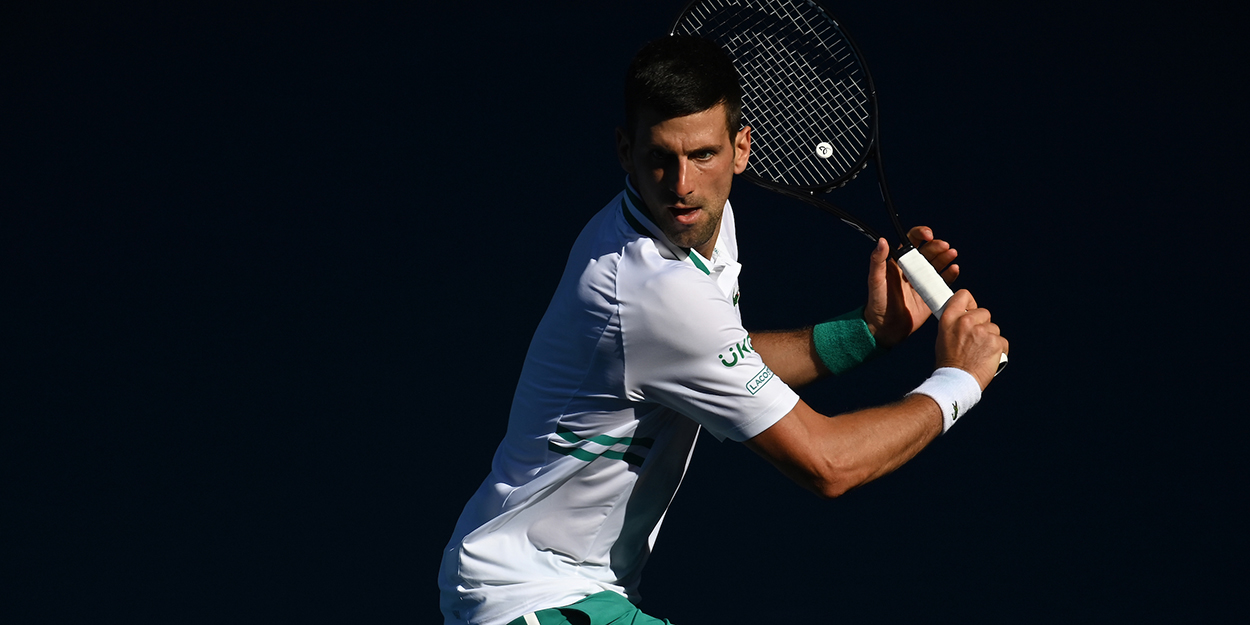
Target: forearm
791,355
833,455
802,356
830,456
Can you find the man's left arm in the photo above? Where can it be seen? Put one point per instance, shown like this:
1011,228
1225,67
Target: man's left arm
893,311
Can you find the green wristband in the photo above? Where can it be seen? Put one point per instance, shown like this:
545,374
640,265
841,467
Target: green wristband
844,342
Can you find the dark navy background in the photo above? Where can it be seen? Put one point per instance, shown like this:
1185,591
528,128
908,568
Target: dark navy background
269,274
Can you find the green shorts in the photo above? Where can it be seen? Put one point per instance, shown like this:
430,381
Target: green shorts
605,608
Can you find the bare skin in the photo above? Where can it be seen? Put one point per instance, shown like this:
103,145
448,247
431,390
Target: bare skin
683,168
830,456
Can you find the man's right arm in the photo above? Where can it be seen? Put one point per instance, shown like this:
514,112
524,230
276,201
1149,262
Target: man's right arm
831,455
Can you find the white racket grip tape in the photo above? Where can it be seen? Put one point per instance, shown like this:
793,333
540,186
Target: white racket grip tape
931,287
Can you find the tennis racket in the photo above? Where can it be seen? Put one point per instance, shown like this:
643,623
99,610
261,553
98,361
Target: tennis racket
812,108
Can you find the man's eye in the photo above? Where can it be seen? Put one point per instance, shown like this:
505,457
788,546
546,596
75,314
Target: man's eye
704,155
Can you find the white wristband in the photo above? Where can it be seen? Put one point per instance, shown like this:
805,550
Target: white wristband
955,392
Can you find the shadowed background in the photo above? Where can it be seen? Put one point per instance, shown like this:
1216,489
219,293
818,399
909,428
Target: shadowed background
270,272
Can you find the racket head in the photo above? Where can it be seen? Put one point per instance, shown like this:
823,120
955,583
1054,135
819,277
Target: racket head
806,92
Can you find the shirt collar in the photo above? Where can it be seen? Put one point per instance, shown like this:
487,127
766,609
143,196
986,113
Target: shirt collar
640,220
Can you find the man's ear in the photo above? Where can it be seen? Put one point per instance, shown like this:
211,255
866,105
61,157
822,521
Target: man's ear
624,150
742,149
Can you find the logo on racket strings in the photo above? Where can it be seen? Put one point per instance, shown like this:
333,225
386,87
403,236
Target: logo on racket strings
824,150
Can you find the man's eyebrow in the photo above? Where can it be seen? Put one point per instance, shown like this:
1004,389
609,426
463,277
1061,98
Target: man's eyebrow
713,148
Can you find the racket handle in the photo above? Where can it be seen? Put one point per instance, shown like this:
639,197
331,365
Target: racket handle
931,287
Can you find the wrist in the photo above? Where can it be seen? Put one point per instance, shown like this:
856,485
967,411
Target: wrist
956,391
885,335
845,342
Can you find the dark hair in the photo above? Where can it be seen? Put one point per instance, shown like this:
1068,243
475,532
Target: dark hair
681,75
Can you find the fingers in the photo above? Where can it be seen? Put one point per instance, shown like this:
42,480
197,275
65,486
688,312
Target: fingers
880,311
876,264
920,235
942,256
962,300
884,269
939,253
881,252
968,339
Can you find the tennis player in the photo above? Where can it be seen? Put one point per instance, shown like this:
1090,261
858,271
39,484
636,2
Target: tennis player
643,345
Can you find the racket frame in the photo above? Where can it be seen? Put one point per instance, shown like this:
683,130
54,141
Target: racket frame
809,194
922,275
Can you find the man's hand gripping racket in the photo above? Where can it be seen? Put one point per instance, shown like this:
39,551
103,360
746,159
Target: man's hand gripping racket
812,108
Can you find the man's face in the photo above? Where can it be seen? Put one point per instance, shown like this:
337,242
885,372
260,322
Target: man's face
683,168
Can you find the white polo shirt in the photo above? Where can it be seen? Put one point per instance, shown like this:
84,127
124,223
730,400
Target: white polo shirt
641,345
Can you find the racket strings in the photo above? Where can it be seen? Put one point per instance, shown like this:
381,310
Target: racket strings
792,80
803,88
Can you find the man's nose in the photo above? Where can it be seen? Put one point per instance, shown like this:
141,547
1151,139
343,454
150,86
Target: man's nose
682,178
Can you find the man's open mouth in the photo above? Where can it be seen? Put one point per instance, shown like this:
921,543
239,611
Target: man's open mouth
684,216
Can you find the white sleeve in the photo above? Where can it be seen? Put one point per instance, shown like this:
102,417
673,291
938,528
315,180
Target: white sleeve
685,349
